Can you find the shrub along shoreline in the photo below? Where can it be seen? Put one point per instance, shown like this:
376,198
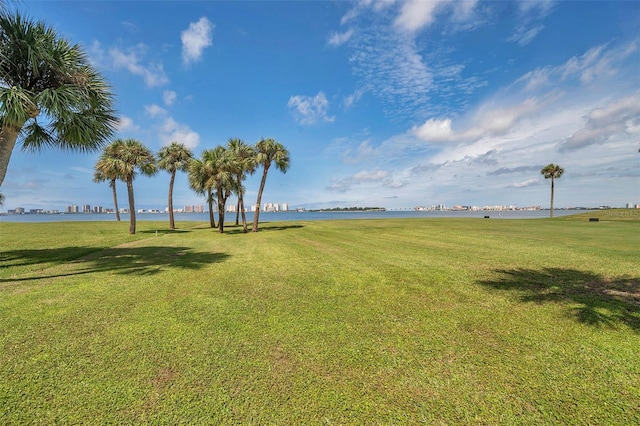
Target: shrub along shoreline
349,322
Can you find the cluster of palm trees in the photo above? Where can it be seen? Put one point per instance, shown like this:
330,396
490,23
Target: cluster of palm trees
218,173
52,96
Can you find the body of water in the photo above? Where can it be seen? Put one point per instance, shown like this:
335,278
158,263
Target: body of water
292,215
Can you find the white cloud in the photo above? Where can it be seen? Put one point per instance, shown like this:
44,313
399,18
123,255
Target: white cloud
531,15
169,97
391,66
417,14
84,170
153,74
596,63
169,130
352,13
369,175
362,177
501,120
353,152
125,124
336,39
308,110
525,34
489,120
376,5
620,117
463,10
349,100
154,110
195,39
434,130
172,131
528,182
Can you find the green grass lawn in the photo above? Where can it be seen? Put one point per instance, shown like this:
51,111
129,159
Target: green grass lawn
435,321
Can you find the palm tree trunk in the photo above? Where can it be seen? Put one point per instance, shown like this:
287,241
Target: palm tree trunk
172,224
256,214
132,208
8,137
222,201
238,210
220,218
212,221
244,216
115,199
552,190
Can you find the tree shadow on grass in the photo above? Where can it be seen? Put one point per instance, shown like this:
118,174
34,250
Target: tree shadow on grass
264,226
277,226
118,260
164,231
600,301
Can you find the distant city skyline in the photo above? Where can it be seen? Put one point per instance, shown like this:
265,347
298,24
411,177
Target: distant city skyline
284,207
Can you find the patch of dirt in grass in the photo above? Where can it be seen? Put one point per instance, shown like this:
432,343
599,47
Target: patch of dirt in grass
164,376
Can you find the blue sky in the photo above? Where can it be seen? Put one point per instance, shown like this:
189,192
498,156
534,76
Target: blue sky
380,103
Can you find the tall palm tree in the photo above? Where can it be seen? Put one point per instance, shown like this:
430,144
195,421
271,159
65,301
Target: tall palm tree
201,183
268,151
219,168
553,172
50,95
106,169
243,157
173,158
131,157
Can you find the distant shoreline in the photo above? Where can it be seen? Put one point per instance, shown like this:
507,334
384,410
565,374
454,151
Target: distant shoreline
298,216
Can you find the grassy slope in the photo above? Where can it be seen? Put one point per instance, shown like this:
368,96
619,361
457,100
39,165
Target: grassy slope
372,321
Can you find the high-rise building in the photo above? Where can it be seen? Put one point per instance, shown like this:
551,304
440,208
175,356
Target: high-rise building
285,207
86,208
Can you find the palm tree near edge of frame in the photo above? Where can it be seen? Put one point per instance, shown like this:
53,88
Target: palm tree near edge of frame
62,101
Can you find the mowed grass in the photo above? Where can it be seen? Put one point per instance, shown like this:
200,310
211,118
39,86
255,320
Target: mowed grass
434,321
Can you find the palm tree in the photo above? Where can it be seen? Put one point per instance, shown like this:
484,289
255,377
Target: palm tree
106,168
50,95
219,168
268,151
173,158
131,157
244,161
553,172
200,183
